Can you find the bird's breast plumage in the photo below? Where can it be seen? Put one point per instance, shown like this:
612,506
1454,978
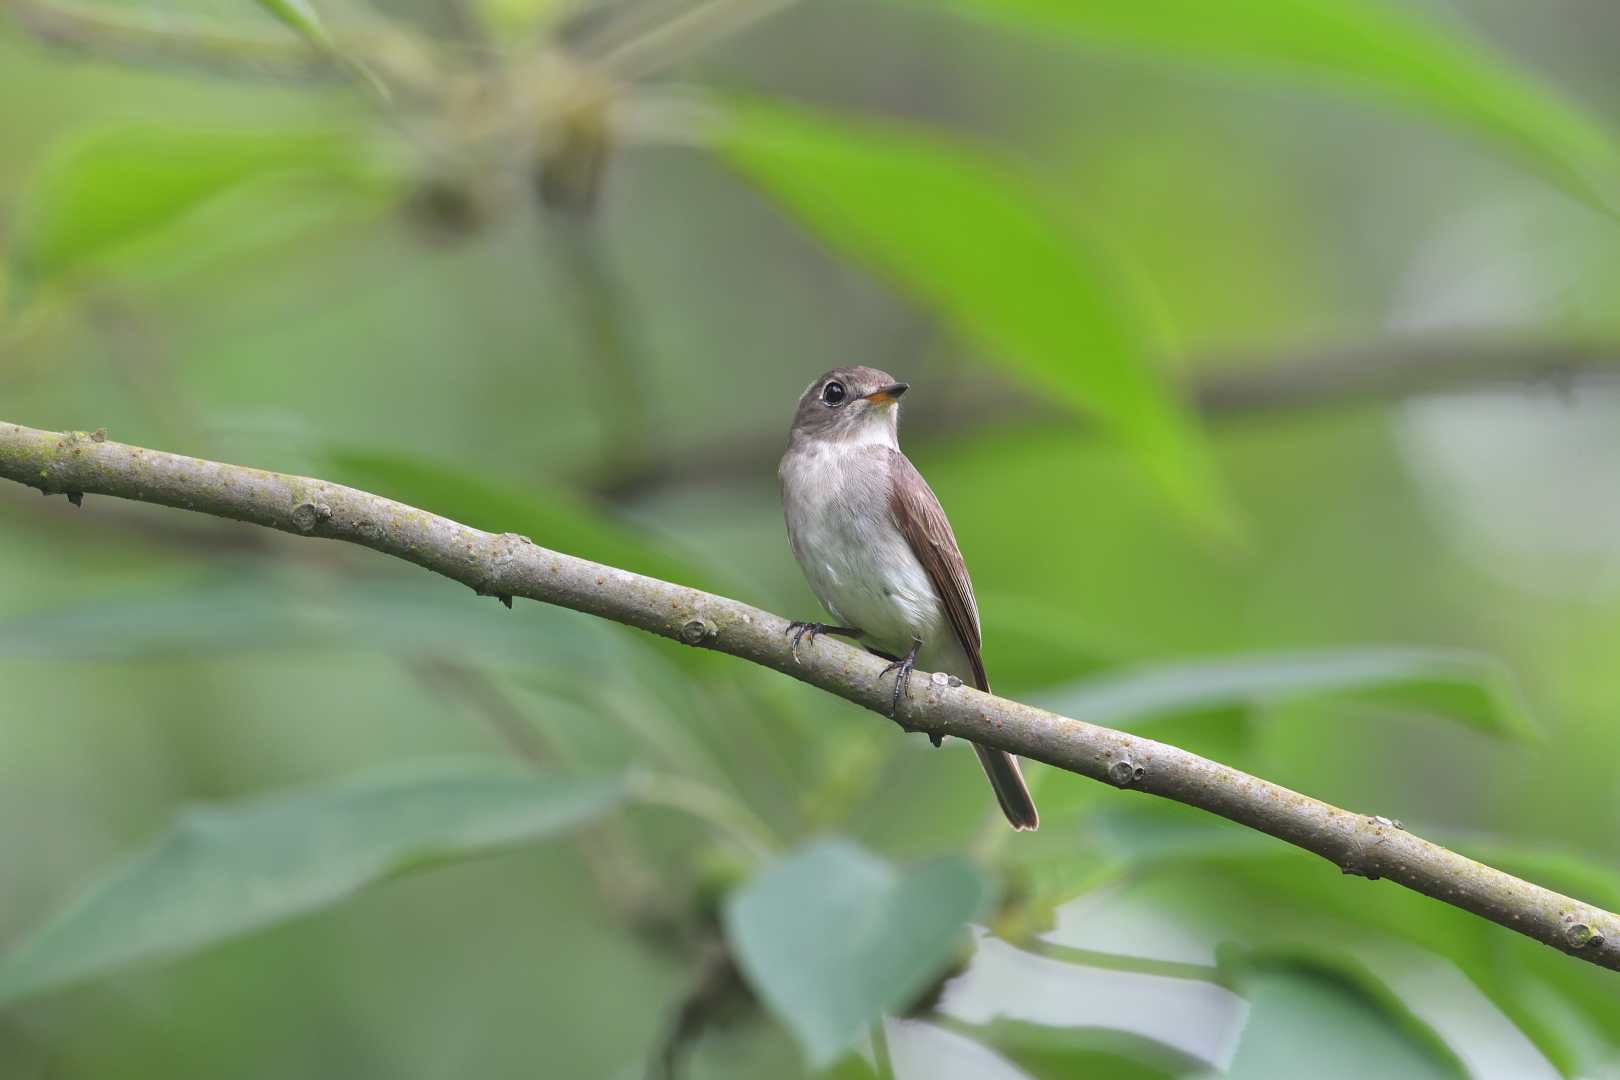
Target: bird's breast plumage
859,565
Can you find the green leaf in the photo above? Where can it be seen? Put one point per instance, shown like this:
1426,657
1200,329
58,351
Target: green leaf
1437,972
1358,45
1159,834
832,937
302,17
1176,1018
1432,1001
980,244
921,1048
250,611
1045,1052
547,515
1164,832
1301,1014
226,870
97,192
1473,689
1286,903
1576,1043
646,703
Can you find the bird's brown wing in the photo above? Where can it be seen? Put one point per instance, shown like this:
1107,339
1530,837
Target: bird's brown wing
923,523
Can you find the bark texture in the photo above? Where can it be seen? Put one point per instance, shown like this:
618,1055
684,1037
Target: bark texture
506,565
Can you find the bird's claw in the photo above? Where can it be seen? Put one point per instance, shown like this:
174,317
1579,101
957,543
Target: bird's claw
800,629
902,681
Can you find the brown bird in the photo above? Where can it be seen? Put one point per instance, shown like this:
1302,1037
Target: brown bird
877,549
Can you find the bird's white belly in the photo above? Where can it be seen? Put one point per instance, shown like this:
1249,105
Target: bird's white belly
856,560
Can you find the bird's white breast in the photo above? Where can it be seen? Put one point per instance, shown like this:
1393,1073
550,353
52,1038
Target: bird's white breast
858,563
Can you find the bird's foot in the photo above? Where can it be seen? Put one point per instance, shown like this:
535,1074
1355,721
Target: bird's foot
902,681
800,630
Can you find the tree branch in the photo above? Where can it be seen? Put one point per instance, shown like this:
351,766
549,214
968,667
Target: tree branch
1397,368
507,565
1233,387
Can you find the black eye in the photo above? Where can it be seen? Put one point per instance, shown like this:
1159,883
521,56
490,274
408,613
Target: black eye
833,393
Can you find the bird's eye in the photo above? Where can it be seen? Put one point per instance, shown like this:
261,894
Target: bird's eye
833,393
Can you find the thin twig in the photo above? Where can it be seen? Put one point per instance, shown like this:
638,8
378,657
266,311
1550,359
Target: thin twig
126,36
613,364
708,804
1396,368
455,679
136,37
714,981
640,46
506,565
609,855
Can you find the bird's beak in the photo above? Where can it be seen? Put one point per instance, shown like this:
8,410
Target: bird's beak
887,395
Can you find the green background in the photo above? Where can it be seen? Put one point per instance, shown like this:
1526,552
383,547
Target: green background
567,278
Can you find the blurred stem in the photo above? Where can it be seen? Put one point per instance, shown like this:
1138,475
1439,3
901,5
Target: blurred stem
132,36
647,50
675,747
1390,369
613,370
880,1049
24,335
714,979
475,689
140,364
772,749
78,464
993,833
726,814
609,853
1235,387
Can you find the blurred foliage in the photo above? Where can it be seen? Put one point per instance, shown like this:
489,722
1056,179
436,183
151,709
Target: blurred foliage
1467,688
1370,47
834,938
561,269
116,186
216,873
976,244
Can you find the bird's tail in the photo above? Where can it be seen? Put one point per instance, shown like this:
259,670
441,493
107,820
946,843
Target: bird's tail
1011,791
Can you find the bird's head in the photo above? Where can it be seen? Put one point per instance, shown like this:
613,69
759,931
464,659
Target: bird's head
851,404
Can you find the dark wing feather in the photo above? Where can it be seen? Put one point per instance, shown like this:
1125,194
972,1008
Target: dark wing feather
922,520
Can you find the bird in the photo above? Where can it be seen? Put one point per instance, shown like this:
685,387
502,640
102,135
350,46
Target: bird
878,552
